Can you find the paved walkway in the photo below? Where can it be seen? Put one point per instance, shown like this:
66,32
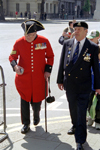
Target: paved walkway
56,137
55,21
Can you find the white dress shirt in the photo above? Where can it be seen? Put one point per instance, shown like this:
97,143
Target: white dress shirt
80,46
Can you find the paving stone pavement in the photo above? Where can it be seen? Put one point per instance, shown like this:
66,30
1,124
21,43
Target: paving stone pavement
56,138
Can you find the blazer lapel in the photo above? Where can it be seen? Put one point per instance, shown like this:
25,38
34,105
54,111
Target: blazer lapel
69,50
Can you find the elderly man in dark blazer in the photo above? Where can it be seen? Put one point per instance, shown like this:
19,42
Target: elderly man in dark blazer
74,76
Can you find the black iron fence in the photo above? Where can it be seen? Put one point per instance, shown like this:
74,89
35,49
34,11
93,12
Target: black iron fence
3,134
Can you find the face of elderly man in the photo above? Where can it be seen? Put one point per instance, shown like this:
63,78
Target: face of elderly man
80,33
30,37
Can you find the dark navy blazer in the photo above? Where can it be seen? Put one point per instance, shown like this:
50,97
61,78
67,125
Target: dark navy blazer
77,77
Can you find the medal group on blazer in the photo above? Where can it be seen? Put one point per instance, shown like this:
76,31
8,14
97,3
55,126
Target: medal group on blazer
86,56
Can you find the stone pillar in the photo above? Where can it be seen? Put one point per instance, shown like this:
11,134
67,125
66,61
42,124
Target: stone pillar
97,11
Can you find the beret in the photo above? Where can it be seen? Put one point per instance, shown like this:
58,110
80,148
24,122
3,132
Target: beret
80,24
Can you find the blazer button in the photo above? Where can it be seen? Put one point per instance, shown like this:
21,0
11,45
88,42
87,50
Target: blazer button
76,77
68,74
66,64
81,68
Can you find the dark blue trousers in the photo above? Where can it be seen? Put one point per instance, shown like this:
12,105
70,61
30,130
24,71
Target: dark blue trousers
78,104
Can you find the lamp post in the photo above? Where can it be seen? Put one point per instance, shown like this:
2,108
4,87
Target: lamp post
42,9
76,8
76,11
1,11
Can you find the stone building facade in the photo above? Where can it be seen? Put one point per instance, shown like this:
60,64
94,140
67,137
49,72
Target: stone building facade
54,8
22,6
74,8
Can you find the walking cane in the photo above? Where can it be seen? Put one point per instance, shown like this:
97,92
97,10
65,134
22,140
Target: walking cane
45,107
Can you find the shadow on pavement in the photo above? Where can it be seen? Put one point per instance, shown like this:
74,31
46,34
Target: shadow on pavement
42,140
87,146
92,130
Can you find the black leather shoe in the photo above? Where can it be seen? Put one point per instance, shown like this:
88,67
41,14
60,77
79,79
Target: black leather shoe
79,147
25,129
36,121
71,131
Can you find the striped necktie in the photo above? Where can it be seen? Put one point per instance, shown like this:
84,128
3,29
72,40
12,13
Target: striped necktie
75,55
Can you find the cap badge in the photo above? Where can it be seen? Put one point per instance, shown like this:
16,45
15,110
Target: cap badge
79,24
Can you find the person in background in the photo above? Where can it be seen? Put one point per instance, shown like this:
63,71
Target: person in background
29,15
94,37
16,13
32,59
66,33
34,15
74,76
45,16
73,34
25,14
21,14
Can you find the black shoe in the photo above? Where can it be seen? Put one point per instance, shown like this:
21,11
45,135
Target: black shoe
36,121
79,147
25,129
71,131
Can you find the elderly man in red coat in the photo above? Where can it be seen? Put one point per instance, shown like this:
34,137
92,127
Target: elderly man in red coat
32,59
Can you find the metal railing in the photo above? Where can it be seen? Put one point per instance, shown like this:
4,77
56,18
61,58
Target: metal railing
3,134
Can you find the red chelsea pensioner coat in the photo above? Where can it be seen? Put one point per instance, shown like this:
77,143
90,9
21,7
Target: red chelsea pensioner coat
33,57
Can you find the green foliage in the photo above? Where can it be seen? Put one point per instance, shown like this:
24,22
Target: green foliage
86,6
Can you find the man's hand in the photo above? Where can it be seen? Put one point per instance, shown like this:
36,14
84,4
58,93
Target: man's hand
18,70
97,91
60,86
65,34
46,75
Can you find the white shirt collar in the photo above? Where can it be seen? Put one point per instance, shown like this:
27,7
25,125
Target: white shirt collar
80,45
81,42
